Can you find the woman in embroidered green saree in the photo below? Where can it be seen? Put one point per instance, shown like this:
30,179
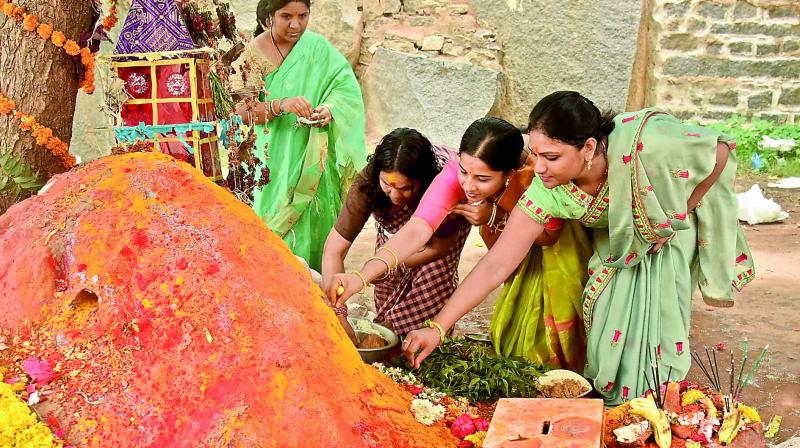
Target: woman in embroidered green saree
637,181
314,114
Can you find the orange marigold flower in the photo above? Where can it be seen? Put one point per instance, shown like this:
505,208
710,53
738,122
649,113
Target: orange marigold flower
19,12
58,39
45,31
87,57
88,89
109,22
30,22
8,9
6,105
68,161
42,135
54,144
72,48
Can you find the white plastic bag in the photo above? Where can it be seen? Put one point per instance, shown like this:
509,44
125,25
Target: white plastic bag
778,144
754,208
787,182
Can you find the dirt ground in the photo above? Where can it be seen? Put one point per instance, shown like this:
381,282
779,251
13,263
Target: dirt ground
764,312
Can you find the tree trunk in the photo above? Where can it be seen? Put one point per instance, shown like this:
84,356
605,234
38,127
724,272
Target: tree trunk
41,78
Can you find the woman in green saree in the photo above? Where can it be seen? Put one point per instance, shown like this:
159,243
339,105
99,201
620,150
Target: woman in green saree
314,142
637,181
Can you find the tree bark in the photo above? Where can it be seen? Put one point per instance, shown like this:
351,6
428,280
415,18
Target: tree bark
41,78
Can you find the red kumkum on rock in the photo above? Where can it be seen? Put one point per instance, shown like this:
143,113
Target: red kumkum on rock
181,320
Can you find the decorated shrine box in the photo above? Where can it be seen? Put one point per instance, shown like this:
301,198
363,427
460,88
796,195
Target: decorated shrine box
546,423
170,107
166,76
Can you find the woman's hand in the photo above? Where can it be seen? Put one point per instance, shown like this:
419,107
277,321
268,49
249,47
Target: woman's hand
243,107
343,287
477,215
323,114
297,105
656,247
419,344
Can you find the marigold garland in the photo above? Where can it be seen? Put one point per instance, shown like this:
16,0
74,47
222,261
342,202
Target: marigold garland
32,23
43,135
110,20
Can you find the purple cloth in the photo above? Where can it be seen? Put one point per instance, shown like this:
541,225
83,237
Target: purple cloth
153,25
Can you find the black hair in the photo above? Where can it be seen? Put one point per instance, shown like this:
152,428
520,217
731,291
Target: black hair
407,152
571,118
267,8
495,141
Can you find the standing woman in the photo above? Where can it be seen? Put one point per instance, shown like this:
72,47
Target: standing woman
308,82
389,189
637,180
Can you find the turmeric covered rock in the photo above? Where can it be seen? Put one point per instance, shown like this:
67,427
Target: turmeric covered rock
172,316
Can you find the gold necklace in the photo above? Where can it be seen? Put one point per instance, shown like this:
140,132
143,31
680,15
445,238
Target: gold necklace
602,183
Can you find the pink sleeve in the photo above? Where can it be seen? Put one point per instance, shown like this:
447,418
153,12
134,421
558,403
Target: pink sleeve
443,193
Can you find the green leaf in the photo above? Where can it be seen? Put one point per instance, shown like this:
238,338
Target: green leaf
16,177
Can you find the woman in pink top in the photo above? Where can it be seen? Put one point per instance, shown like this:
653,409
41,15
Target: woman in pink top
491,150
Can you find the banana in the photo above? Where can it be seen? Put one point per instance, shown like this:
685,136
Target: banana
749,413
646,407
730,427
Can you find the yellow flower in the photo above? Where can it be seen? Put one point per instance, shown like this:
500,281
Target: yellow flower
20,426
476,438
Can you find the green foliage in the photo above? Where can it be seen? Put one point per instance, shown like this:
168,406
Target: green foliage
748,136
461,368
17,181
223,102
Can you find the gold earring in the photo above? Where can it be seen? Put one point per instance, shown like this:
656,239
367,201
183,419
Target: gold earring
589,165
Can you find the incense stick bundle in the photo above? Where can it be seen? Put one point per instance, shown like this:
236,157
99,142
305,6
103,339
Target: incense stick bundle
702,366
730,384
711,369
752,372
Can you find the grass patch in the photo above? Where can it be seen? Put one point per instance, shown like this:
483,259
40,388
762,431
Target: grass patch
749,135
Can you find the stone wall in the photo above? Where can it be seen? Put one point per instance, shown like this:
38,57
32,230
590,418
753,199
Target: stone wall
712,58
437,65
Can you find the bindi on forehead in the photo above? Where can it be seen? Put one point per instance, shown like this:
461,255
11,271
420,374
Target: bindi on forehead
392,178
395,180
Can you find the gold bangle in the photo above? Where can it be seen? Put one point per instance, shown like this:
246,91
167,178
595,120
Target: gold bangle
363,280
430,323
388,268
393,254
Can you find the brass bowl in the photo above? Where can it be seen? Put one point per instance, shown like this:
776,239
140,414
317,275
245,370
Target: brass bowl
372,355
